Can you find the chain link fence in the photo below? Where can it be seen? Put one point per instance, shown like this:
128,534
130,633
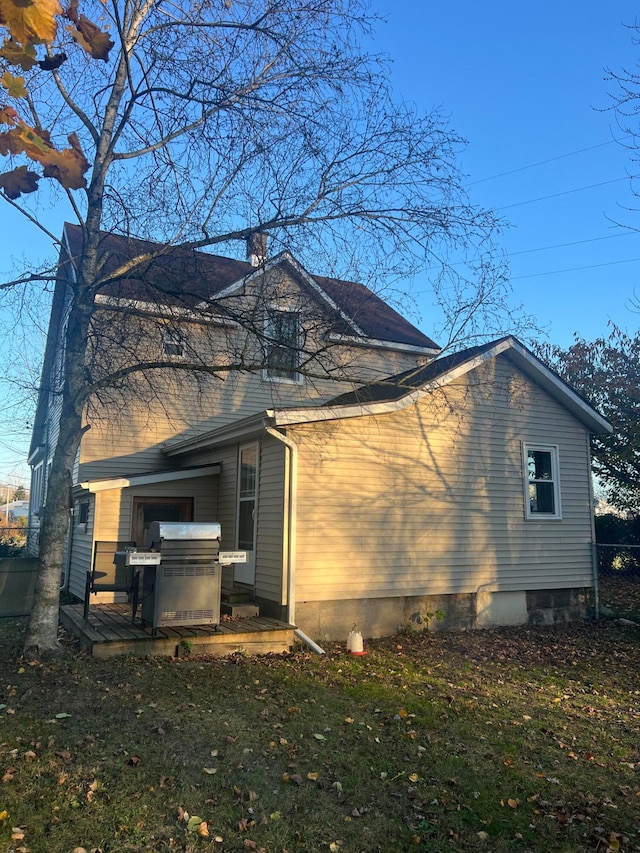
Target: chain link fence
618,560
619,579
18,540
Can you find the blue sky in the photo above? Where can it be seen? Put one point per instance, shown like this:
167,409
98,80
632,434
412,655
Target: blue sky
524,84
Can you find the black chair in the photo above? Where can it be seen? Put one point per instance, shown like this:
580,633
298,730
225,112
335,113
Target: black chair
106,576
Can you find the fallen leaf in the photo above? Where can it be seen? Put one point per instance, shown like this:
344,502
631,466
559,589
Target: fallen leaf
193,823
313,776
318,736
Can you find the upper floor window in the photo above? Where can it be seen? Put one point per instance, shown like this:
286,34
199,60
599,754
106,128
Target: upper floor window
173,344
542,481
282,345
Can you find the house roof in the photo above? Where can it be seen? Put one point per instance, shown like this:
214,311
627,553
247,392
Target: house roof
401,390
185,278
398,386
404,389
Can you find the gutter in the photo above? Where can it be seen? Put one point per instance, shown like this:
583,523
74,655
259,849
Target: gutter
291,508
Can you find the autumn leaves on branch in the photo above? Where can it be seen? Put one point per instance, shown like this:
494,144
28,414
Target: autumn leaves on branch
30,29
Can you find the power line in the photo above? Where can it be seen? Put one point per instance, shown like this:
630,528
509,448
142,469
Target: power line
566,192
548,160
574,243
573,269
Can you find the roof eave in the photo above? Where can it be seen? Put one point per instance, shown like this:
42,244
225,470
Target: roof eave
394,346
109,483
246,428
521,357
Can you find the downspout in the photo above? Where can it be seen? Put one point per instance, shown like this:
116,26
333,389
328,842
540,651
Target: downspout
291,511
594,545
67,562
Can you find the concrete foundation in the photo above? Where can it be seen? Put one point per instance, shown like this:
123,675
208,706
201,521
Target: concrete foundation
383,617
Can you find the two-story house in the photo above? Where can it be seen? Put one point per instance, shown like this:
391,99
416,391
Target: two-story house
369,480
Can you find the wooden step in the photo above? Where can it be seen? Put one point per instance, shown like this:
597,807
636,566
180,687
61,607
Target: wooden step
240,609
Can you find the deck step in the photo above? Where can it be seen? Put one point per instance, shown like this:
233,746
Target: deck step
241,609
236,596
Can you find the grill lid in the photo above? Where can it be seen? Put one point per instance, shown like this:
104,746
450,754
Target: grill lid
185,530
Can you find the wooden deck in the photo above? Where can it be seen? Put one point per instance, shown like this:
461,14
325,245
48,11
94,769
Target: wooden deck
109,632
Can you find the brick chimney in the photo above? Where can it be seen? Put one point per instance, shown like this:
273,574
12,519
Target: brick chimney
256,249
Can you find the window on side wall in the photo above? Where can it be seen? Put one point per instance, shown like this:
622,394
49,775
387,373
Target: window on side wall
541,482
83,516
173,344
282,346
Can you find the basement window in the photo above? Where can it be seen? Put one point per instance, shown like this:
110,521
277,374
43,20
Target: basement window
542,482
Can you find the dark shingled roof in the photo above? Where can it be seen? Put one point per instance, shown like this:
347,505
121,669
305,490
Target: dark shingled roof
396,387
184,277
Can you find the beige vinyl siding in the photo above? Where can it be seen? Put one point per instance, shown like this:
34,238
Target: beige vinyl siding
128,435
430,499
81,552
271,512
227,492
112,518
131,439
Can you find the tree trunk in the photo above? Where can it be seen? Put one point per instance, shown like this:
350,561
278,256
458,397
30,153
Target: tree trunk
42,636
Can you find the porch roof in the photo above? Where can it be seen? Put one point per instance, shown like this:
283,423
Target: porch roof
102,484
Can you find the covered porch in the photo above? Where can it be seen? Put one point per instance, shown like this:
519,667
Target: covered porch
109,632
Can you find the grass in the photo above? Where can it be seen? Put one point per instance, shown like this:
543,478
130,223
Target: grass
507,740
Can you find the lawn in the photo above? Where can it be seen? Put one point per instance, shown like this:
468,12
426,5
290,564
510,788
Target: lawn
508,740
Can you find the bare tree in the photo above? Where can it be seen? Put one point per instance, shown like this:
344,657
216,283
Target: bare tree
198,124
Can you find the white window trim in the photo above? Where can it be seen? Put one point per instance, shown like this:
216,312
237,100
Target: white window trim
297,378
555,474
173,338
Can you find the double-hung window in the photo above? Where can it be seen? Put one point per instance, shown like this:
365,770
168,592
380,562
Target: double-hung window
282,345
541,481
173,344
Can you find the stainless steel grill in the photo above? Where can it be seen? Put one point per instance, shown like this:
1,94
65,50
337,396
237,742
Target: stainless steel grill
184,589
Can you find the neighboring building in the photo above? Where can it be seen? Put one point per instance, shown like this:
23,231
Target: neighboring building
16,510
370,481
